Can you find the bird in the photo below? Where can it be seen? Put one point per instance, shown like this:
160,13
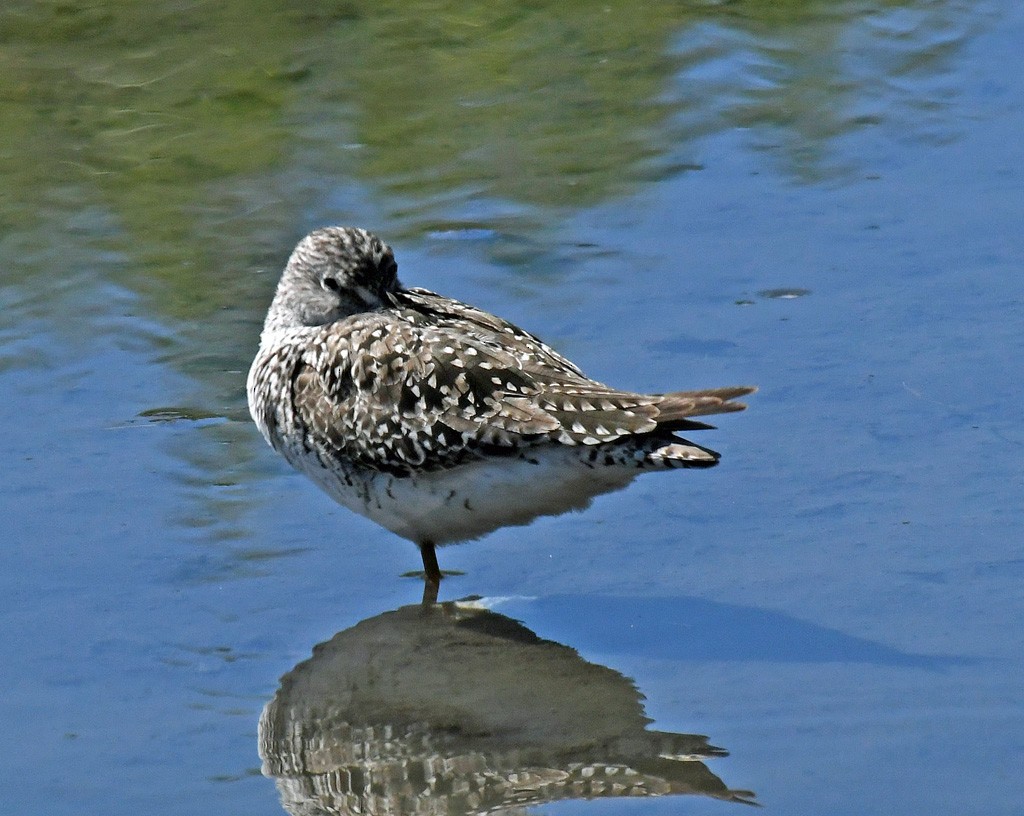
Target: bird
440,421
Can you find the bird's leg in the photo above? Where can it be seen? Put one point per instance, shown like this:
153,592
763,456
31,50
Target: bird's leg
430,568
429,596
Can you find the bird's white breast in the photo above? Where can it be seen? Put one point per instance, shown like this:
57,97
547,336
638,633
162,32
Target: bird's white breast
474,498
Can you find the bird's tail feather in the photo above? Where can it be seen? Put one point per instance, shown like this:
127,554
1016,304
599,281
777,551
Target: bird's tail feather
677,406
683,454
674,412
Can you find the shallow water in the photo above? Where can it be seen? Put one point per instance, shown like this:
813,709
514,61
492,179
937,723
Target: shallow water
821,198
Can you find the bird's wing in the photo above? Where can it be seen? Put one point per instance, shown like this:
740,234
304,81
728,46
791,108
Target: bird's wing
396,394
576,400
484,326
414,388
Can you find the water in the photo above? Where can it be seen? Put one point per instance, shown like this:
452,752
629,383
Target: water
837,604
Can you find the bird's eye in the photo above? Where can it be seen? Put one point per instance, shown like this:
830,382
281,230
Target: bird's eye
332,284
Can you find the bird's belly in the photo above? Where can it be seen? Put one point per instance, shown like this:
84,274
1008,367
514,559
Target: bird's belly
475,498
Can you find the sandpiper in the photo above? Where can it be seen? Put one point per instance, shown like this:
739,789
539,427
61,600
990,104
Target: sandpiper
440,421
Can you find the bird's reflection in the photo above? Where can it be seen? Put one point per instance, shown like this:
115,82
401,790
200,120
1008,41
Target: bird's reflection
453,709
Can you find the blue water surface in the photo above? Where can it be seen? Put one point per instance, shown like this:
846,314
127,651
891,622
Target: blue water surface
826,201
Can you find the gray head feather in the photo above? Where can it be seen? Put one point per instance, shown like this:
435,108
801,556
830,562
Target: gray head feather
332,274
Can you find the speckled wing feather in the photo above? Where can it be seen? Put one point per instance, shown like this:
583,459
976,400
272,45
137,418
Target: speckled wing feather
431,382
486,327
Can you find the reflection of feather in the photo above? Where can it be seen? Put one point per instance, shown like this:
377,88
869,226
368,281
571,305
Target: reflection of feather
457,710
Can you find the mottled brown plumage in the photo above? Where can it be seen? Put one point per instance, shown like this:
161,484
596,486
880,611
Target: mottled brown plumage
375,390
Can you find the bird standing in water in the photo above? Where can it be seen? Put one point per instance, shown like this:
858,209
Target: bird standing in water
437,420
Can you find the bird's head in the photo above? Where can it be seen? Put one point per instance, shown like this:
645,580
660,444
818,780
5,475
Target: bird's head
333,273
